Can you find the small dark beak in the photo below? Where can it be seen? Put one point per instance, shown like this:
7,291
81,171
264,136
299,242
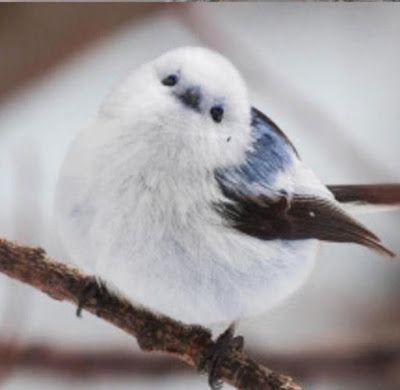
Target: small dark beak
191,98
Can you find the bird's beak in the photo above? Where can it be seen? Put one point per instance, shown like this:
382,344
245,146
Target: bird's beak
191,98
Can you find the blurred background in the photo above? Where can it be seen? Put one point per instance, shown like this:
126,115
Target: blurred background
328,74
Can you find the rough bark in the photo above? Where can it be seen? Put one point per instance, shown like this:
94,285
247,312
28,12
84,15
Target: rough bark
189,343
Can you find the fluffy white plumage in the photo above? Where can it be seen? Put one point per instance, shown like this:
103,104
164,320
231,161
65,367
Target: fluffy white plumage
135,198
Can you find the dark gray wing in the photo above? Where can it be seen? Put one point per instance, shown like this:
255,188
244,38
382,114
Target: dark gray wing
295,218
260,120
282,217
272,153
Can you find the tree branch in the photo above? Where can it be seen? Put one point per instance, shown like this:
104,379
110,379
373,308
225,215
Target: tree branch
189,343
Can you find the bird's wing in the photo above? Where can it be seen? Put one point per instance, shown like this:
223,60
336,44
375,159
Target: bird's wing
280,214
296,217
259,119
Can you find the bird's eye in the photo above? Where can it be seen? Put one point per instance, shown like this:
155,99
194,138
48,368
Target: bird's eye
170,80
217,113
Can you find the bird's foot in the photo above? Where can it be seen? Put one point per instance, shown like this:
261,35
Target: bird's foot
92,290
225,344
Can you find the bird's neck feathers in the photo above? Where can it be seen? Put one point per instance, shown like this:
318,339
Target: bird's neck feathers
173,150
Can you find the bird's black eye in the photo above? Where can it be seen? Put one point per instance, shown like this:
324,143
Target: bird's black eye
217,113
170,80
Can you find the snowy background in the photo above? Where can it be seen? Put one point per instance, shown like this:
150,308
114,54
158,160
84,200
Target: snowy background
328,74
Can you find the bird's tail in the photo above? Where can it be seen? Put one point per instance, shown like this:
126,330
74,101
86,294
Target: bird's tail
367,198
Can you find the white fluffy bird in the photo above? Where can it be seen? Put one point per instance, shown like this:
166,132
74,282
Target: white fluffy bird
185,199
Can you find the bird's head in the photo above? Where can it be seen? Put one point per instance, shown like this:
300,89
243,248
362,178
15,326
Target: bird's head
189,101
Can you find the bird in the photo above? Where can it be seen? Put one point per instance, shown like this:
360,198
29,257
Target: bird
184,198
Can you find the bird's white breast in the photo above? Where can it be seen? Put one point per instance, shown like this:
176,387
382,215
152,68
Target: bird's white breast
146,226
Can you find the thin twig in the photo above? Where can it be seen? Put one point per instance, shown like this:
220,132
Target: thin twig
189,343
